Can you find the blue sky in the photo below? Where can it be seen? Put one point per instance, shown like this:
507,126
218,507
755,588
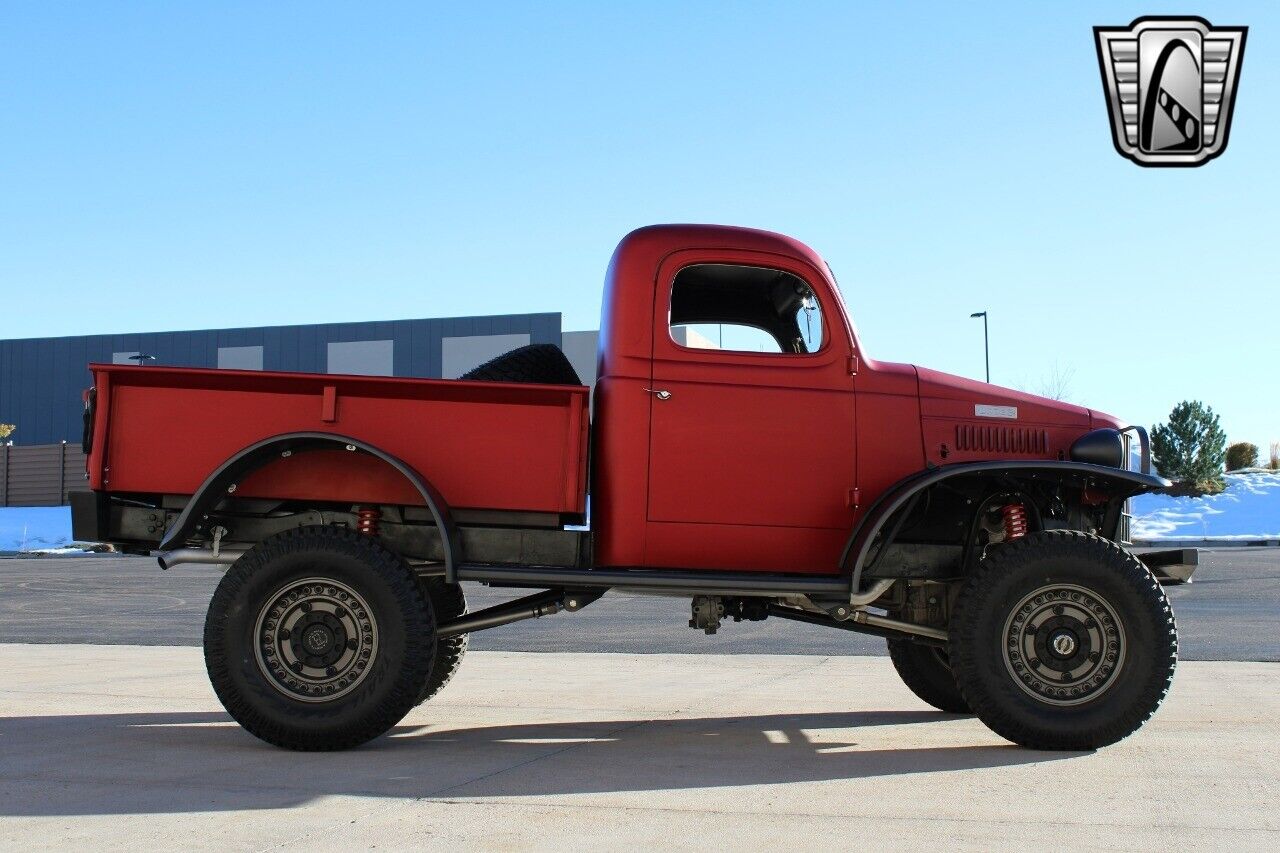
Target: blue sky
172,166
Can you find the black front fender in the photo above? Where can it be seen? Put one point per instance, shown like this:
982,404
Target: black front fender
1120,482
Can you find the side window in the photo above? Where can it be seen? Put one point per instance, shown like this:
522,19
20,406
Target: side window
744,309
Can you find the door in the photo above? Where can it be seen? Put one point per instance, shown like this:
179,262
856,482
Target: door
751,440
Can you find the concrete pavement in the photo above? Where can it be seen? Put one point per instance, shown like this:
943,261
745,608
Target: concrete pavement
126,746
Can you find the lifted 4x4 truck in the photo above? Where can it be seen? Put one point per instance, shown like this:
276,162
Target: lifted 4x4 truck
783,474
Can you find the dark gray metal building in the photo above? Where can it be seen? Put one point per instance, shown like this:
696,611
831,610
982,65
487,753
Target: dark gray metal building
41,379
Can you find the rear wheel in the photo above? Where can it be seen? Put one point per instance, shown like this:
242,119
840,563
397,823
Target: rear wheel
319,639
1063,640
926,670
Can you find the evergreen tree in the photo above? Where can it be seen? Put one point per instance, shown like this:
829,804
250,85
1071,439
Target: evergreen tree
1191,447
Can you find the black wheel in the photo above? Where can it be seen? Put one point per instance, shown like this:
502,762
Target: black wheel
447,602
926,670
319,639
544,364
1063,640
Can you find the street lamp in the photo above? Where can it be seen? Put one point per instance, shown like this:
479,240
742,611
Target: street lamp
986,345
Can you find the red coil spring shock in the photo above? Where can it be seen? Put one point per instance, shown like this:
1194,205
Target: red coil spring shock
367,520
1015,521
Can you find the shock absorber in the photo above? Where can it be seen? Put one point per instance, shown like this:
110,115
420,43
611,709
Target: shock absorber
1015,521
367,518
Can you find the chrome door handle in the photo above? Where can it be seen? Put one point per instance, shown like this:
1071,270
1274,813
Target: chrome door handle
660,394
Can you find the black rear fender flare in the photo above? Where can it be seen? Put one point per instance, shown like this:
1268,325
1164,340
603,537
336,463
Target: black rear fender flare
226,476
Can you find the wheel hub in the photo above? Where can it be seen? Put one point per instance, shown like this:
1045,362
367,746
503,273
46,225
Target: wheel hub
315,640
1064,644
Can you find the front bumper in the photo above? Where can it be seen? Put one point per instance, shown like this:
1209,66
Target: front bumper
1172,567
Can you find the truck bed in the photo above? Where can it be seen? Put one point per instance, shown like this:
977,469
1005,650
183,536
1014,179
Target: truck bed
483,445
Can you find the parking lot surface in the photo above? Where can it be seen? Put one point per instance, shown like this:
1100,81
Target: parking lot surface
112,747
1230,612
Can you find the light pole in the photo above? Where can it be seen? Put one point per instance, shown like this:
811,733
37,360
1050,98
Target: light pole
141,358
986,346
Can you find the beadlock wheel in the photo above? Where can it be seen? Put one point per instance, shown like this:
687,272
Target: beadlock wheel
1062,640
319,638
316,638
1064,644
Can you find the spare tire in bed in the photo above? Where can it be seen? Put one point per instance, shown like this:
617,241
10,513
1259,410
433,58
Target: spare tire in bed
543,364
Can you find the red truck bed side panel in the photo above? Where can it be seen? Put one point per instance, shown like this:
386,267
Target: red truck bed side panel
483,445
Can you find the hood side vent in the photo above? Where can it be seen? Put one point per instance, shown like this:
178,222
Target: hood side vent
999,439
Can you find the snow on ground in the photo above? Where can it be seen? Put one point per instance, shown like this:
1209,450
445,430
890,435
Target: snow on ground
33,528
1248,509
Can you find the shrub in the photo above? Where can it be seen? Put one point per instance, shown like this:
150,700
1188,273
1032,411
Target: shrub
1242,454
1184,488
6,430
1191,448
1275,456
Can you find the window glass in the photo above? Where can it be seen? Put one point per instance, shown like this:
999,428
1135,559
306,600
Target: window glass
744,309
725,336
364,358
240,358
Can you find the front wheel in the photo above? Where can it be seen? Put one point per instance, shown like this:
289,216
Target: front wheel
1063,640
319,639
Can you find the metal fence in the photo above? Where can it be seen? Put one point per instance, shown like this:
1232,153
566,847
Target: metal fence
41,474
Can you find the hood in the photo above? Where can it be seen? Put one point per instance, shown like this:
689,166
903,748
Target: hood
964,420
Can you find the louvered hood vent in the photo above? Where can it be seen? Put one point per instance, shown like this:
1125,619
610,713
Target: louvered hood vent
1002,439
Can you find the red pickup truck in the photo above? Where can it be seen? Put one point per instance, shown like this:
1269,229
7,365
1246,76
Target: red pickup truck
742,449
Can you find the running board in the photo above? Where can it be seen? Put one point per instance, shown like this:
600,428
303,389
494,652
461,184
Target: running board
656,580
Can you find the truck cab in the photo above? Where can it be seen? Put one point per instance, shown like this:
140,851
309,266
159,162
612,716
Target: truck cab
727,354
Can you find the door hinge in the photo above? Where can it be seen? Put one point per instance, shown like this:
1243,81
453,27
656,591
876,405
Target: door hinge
853,365
853,498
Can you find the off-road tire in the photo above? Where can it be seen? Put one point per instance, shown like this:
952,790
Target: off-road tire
543,364
242,638
447,602
926,671
1111,586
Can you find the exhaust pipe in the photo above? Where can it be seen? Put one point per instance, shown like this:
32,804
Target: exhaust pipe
200,556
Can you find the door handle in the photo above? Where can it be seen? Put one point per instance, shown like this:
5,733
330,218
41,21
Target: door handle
660,394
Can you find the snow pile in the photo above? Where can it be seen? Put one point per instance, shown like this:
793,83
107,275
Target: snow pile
1248,509
34,528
